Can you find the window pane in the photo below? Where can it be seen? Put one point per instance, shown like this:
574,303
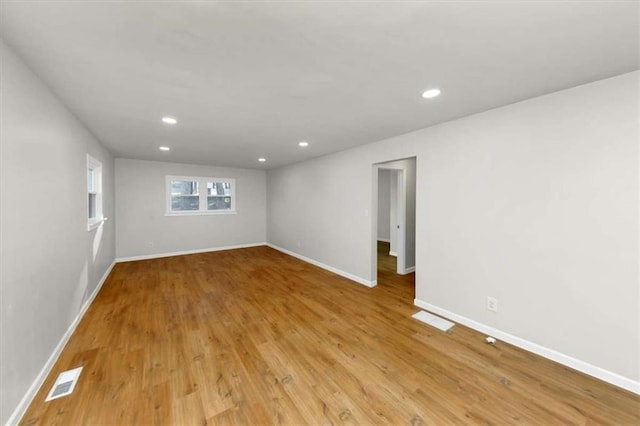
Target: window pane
184,187
218,188
218,196
216,202
184,195
92,205
90,180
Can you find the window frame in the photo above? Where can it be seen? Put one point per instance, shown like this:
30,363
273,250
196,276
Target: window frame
202,194
95,166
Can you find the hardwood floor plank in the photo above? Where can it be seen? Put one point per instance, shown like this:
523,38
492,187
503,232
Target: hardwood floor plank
253,336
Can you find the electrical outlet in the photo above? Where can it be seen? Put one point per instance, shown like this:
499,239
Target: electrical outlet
492,304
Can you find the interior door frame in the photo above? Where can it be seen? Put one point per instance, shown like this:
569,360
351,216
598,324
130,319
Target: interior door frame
401,216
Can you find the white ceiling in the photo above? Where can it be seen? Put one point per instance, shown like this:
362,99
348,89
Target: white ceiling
251,79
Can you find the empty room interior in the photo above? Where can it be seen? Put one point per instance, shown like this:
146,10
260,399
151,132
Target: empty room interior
310,212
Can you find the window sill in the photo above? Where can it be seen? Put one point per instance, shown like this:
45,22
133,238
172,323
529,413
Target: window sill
201,213
95,224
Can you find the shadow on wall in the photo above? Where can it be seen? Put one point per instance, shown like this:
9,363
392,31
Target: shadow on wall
89,273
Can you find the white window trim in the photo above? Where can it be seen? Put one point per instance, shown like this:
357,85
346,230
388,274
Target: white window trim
93,223
202,188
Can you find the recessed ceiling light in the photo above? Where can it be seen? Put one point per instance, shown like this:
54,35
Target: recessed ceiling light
431,93
165,148
169,120
303,144
262,160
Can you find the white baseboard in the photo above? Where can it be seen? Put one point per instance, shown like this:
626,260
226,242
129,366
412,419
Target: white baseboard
26,400
409,270
384,240
181,253
576,364
327,267
393,253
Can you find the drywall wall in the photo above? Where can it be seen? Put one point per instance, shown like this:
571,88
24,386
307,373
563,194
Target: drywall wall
535,203
384,206
144,230
49,263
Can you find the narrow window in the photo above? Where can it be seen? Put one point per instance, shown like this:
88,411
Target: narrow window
94,193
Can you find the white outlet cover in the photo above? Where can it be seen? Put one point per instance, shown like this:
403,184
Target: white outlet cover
492,304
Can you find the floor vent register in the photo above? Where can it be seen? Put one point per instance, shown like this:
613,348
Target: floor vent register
65,383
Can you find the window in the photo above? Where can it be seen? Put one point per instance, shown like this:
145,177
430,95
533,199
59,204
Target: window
200,195
184,195
94,193
219,195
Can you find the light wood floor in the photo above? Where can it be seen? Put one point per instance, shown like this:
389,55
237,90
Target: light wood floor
387,265
253,336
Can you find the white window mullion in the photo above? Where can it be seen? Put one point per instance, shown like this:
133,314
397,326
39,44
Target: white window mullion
202,188
233,195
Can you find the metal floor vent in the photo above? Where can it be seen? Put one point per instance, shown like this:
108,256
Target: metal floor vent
65,383
434,321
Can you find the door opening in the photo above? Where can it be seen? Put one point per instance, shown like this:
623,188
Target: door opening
387,232
394,217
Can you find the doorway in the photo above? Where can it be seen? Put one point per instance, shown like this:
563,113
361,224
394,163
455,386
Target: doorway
391,253
394,218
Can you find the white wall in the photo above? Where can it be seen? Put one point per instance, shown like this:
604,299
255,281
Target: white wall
143,229
384,206
535,203
49,263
